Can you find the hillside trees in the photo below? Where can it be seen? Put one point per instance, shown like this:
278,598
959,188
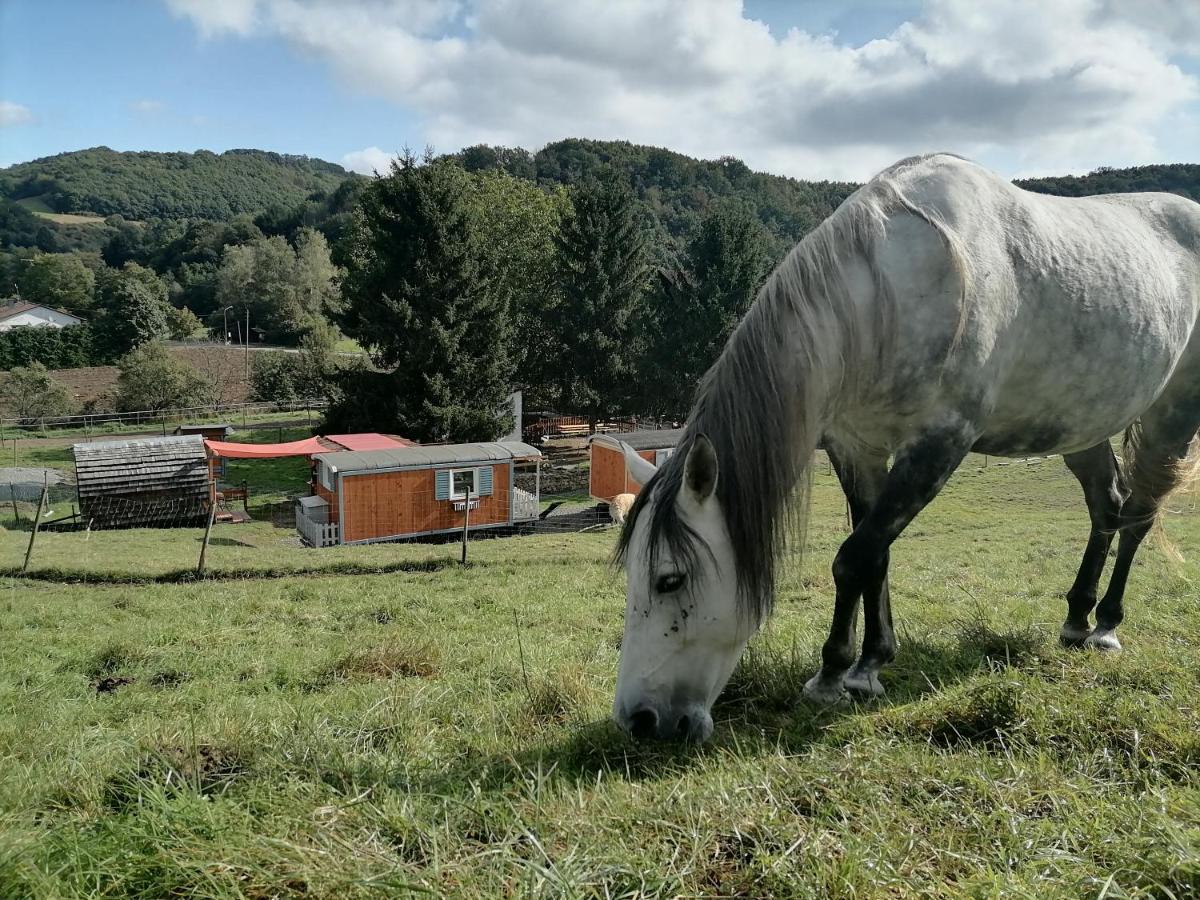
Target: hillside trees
287,291
425,294
696,303
601,266
152,379
30,392
133,309
60,280
145,185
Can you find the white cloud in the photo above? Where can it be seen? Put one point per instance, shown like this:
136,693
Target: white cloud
215,17
14,114
368,161
1062,84
148,106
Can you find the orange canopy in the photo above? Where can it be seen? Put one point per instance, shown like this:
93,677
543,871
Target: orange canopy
306,447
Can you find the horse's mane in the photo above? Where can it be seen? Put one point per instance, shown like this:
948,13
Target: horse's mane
763,403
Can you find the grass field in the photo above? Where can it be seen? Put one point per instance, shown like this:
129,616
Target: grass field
38,207
378,721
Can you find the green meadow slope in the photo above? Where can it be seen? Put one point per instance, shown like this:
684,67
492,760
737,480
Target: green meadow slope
370,721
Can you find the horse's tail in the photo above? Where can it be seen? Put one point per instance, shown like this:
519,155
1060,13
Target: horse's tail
1148,474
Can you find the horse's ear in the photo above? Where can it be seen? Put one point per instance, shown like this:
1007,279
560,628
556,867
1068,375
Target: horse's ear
700,469
642,470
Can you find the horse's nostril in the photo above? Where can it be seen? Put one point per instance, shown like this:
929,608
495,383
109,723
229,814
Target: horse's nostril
643,723
682,727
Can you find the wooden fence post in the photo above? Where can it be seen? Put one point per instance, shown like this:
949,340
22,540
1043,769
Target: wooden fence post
37,521
466,523
212,514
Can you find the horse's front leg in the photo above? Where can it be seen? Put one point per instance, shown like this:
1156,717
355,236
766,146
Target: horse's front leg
860,568
862,477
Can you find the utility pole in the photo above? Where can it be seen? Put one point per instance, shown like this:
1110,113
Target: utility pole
246,372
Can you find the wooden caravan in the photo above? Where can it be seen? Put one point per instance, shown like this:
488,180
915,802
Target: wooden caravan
148,482
609,475
393,494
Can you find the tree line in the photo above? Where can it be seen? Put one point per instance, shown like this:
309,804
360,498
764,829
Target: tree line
599,277
462,284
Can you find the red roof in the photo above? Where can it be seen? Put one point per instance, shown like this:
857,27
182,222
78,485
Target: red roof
371,440
306,447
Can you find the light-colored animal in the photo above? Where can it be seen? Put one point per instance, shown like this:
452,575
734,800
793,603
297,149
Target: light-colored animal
619,506
938,310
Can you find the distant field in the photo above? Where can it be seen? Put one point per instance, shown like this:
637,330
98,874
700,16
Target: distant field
378,721
38,207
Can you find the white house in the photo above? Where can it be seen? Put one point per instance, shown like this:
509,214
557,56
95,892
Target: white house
20,314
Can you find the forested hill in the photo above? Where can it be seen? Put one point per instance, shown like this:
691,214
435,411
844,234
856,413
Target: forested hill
676,189
1176,178
147,185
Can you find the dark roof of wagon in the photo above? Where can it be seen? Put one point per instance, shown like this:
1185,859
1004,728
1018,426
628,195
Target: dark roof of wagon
205,429
643,440
431,455
141,465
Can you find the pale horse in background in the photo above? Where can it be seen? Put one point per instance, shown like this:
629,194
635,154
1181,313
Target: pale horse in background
940,309
619,506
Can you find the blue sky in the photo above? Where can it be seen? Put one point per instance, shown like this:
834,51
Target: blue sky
832,89
215,94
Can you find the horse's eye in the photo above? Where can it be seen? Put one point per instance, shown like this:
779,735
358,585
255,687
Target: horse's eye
669,584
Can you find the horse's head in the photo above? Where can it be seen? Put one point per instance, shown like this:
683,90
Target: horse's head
684,630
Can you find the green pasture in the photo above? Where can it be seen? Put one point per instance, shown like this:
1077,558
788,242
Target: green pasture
380,721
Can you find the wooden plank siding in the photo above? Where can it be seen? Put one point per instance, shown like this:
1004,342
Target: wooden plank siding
381,505
609,476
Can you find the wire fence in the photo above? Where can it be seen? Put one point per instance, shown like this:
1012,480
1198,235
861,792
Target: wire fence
63,526
111,422
403,518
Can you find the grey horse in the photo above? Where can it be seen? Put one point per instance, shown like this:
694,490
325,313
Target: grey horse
940,309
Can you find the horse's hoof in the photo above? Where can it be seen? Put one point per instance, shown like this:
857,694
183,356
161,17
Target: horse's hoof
1104,641
1073,636
824,691
864,683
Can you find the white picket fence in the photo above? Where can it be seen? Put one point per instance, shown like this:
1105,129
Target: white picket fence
316,534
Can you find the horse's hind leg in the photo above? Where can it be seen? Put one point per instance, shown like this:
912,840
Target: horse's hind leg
1155,469
862,479
1098,474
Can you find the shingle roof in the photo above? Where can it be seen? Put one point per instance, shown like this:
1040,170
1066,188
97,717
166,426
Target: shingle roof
430,455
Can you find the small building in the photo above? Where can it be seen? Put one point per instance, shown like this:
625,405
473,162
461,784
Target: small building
147,482
609,474
210,432
217,431
393,494
34,315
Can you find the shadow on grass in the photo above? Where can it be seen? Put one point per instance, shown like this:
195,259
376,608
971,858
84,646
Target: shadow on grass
59,575
761,712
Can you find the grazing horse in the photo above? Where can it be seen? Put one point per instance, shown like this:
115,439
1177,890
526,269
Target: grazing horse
940,309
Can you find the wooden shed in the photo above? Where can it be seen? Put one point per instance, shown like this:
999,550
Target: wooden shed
393,494
609,474
147,482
